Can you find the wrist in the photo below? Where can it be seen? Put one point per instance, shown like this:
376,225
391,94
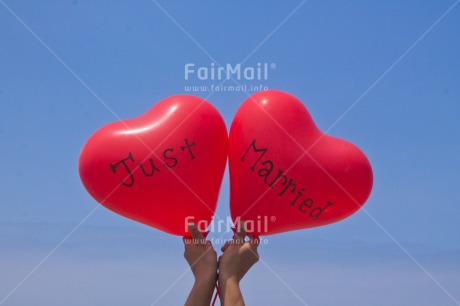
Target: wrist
202,291
229,291
206,278
228,279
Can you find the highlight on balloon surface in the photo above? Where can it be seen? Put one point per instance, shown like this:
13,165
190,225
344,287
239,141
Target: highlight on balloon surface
163,168
285,174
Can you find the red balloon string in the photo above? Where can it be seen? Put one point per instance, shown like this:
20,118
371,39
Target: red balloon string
215,296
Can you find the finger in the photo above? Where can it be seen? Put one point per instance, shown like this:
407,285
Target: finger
241,230
209,245
187,240
195,232
225,246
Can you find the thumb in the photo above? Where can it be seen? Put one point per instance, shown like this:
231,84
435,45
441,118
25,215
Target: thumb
254,242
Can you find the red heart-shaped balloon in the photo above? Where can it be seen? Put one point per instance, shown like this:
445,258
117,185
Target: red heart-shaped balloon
163,168
285,174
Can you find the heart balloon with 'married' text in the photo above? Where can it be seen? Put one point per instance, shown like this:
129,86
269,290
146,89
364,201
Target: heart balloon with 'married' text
285,174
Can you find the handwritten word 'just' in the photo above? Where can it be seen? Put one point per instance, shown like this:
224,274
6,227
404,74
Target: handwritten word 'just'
170,160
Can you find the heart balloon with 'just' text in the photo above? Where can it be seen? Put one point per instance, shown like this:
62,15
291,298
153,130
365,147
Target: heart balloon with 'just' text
163,168
285,174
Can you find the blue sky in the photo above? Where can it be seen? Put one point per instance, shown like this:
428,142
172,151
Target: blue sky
399,60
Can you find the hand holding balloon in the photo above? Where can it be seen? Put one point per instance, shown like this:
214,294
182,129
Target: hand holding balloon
238,257
202,259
